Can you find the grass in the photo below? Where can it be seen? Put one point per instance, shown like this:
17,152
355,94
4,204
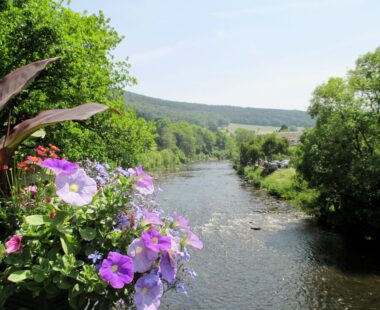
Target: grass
282,184
256,128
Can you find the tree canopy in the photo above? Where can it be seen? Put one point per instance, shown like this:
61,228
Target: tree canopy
341,156
32,30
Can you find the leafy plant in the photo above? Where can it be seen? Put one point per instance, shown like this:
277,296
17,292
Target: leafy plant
12,84
92,234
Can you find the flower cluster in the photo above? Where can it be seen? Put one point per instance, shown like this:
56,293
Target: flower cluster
41,153
101,236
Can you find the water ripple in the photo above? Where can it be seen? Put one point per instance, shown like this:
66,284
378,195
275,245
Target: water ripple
260,254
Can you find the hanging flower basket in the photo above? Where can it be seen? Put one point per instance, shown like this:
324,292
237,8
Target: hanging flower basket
90,235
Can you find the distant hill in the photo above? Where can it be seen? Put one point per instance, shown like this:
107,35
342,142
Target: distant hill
213,116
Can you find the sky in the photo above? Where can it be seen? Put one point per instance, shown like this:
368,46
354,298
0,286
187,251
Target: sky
251,53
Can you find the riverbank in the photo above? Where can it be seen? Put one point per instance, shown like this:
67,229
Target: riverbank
282,184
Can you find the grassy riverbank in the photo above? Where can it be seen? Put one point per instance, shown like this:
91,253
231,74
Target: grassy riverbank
282,184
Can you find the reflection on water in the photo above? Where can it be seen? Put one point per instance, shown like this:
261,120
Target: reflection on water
260,254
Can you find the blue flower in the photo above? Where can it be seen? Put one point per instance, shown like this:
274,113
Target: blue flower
180,287
190,272
94,257
185,255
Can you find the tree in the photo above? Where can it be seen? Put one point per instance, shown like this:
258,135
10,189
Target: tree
273,145
165,134
31,30
341,156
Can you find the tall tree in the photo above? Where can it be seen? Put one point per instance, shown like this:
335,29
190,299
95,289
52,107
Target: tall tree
31,30
341,155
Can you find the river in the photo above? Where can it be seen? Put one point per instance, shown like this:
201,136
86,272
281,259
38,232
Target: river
261,254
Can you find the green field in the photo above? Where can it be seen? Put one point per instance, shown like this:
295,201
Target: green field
256,128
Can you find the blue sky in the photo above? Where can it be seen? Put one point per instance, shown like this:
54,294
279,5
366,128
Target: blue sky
252,53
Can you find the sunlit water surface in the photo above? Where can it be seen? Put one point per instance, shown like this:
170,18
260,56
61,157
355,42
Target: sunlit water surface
261,254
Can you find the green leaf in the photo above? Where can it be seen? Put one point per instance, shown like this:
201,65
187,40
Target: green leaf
41,133
68,243
19,276
65,246
87,233
59,217
39,275
37,219
63,282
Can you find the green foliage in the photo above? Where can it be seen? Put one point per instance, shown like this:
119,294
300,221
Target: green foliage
38,29
181,142
340,157
273,145
253,147
164,159
284,128
282,183
211,116
253,175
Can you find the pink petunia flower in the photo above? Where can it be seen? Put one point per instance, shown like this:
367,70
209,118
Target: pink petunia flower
13,245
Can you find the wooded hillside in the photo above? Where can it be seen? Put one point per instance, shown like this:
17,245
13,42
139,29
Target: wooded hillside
212,116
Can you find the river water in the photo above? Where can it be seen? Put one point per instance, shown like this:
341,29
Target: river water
261,254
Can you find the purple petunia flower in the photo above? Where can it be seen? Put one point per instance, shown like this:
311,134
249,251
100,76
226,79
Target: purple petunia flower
59,165
141,256
154,241
144,183
117,270
193,240
180,223
168,266
149,290
151,218
169,260
76,188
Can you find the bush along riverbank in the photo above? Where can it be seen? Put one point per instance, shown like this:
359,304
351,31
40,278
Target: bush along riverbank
282,184
263,160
